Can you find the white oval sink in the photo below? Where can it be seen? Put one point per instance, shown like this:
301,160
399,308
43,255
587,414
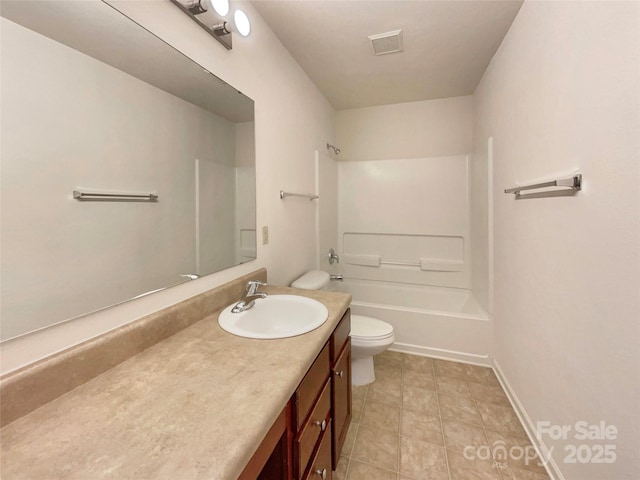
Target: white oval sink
277,316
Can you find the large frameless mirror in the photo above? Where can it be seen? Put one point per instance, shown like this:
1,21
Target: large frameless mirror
126,166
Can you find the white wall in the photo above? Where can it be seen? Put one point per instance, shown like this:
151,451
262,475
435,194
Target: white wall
292,120
561,94
431,128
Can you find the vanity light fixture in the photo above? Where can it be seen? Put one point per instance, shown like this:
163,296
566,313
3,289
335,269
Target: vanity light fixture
211,15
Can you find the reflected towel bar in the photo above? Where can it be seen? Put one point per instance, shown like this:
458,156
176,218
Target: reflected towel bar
141,197
574,183
310,196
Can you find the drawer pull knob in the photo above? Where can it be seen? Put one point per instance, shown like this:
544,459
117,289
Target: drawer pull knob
340,373
322,425
322,473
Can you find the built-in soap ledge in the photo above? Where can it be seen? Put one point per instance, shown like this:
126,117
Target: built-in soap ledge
426,264
35,385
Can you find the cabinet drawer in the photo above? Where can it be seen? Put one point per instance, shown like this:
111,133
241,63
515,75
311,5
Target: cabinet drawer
309,434
311,385
320,468
340,335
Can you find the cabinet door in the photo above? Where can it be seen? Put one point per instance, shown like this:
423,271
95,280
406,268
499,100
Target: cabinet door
340,336
341,401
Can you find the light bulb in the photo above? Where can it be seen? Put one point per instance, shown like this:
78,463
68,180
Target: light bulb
242,23
221,7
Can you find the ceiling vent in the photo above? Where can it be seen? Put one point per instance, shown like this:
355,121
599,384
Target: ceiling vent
389,42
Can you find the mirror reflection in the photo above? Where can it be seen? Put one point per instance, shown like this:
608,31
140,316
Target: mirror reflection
93,102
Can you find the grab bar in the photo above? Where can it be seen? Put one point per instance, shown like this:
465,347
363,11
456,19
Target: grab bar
400,264
574,183
310,196
148,197
428,264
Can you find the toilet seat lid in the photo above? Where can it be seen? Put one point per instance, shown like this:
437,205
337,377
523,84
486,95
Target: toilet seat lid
367,327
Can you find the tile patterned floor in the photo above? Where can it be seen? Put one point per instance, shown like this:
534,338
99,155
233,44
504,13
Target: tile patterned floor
415,421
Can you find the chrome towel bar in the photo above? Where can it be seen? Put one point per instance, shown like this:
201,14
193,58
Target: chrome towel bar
574,183
310,196
140,197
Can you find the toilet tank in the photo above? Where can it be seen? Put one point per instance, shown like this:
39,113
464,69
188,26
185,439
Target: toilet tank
313,280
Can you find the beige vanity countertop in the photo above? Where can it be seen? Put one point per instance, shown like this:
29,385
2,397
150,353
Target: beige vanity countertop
196,405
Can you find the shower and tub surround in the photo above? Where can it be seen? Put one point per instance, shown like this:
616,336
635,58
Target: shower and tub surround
435,321
195,404
405,248
405,221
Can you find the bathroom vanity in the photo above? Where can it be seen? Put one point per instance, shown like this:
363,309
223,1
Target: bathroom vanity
197,403
306,440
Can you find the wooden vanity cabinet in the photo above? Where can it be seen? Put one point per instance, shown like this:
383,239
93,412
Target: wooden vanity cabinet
317,417
319,439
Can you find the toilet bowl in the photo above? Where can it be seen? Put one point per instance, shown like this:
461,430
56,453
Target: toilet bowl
369,336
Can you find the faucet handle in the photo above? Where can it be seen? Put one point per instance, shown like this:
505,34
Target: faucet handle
253,285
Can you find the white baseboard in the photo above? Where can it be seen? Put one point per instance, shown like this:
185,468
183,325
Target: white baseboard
542,450
442,354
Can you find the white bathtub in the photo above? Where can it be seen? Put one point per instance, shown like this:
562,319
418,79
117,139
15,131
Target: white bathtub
435,321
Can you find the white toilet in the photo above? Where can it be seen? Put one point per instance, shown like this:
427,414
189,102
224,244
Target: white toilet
369,336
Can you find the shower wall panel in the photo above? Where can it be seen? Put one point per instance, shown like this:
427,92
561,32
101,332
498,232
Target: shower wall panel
406,220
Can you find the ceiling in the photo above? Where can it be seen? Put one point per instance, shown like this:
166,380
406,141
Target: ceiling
447,45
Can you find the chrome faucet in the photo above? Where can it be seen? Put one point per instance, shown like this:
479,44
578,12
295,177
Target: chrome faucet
249,299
